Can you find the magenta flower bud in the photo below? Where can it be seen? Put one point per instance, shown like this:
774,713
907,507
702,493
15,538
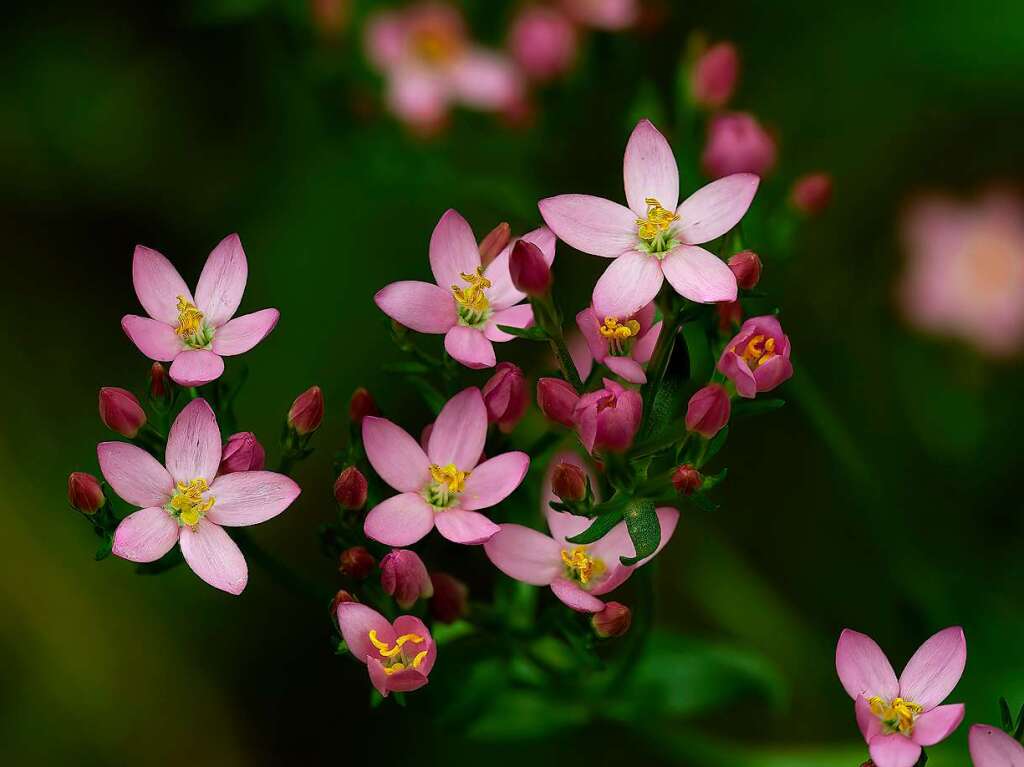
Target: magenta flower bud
708,410
84,492
361,405
505,396
612,621
356,562
450,600
737,143
686,479
120,411
607,419
543,42
404,576
350,489
243,452
557,399
340,598
757,358
746,265
157,381
569,482
714,76
811,193
495,242
529,271
307,411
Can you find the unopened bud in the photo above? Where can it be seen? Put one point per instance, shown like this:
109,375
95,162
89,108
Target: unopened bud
404,576
494,242
121,412
714,75
730,314
157,381
687,479
569,482
340,598
450,598
243,452
612,621
361,405
307,411
557,400
84,492
812,193
529,271
350,489
708,410
356,562
746,266
505,396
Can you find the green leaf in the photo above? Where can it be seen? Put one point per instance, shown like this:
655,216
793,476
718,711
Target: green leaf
531,334
699,350
598,528
341,649
105,548
1018,733
713,480
701,500
717,443
1005,715
516,714
746,408
445,633
644,529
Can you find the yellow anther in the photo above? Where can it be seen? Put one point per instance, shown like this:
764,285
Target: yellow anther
190,319
657,222
898,715
387,650
189,503
613,329
758,350
394,667
419,658
581,566
473,297
449,476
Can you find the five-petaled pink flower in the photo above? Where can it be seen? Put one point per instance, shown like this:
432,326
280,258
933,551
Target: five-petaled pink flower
994,748
899,716
195,333
653,240
622,344
468,301
757,358
444,486
188,502
577,574
398,655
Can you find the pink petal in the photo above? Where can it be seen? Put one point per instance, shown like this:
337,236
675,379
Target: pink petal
590,224
869,724
406,680
519,316
573,596
994,748
934,670
418,96
565,524
485,80
525,554
193,444
649,170
239,335
453,250
356,621
214,557
737,371
714,209
698,275
630,281
644,347
468,527
146,535
410,624
772,373
196,367
626,367
502,293
420,306
493,481
936,725
589,325
222,282
581,356
395,455
157,340
158,285
470,347
250,497
459,431
863,668
893,751
135,475
401,520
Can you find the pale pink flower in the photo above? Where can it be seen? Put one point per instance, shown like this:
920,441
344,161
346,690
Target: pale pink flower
542,41
442,486
653,240
467,301
991,747
398,656
195,333
737,143
965,270
612,15
577,574
757,358
899,716
622,344
188,501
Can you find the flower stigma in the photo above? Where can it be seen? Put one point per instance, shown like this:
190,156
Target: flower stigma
473,307
655,231
580,566
188,503
192,328
619,334
897,715
446,483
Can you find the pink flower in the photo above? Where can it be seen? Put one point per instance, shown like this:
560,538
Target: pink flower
708,410
404,577
653,240
195,333
505,396
557,400
898,717
542,41
577,574
757,359
737,144
121,411
443,486
466,302
399,655
994,748
607,419
714,75
622,344
188,502
811,193
242,452
965,270
612,15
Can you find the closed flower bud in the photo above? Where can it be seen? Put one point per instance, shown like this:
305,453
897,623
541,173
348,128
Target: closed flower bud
687,479
569,482
494,242
158,388
357,562
812,193
708,410
350,489
84,492
361,405
339,598
243,452
307,411
612,621
404,576
450,598
737,143
557,400
505,396
714,76
121,412
529,271
746,266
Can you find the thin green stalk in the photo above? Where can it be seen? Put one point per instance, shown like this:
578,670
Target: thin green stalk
659,360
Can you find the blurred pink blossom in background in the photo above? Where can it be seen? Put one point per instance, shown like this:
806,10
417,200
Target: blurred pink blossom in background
738,143
542,41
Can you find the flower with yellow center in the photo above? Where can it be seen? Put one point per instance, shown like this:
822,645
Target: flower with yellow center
758,350
192,328
580,566
619,334
473,306
393,658
188,503
655,231
447,482
897,715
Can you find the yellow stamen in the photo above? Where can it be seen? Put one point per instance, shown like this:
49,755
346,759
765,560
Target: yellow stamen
387,650
449,476
657,222
758,350
613,329
581,566
473,297
189,503
190,319
419,658
897,715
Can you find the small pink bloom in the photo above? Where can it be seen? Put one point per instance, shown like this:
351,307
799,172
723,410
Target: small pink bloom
714,75
361,405
307,411
577,574
188,502
442,486
613,621
85,493
708,410
158,386
529,269
195,333
994,748
569,481
812,193
757,359
899,716
121,411
622,344
505,396
655,238
557,400
746,265
399,655
242,452
450,600
350,489
404,577
613,15
737,143
542,41
356,562
466,302
686,479
607,419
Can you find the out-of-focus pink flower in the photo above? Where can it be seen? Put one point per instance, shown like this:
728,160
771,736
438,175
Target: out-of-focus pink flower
195,333
899,716
404,576
612,15
442,486
399,655
361,405
622,344
450,600
653,240
557,400
607,419
811,193
542,41
505,396
242,452
85,493
307,411
746,265
577,574
121,411
737,143
350,489
466,302
613,621
188,502
708,410
714,75
686,479
569,481
757,359
356,562
991,747
965,270
529,269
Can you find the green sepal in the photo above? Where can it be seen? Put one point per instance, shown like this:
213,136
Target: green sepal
530,334
598,528
105,548
644,529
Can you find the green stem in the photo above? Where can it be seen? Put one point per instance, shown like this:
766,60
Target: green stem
546,316
659,360
193,392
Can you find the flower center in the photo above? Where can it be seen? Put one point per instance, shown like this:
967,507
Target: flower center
619,334
188,503
447,483
473,306
434,46
655,231
394,659
580,566
758,351
192,328
897,715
